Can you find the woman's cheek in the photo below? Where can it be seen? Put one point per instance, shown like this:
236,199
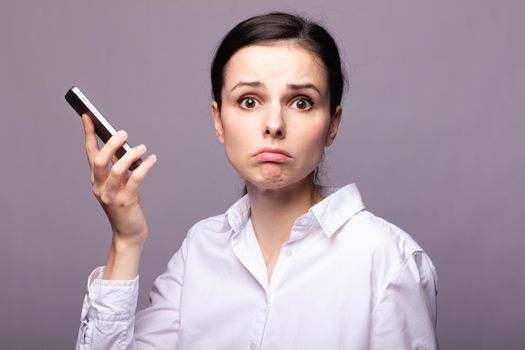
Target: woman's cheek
232,151
316,135
236,146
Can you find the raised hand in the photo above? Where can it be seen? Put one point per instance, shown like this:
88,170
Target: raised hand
117,190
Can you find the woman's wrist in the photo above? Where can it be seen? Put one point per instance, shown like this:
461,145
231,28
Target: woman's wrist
124,242
123,260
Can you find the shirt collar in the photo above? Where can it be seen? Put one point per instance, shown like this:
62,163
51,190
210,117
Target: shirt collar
338,206
239,213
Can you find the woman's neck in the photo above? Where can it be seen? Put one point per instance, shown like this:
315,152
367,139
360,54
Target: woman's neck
274,211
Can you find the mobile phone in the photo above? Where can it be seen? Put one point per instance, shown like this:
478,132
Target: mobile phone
103,128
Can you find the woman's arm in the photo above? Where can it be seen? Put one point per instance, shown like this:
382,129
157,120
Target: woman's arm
109,308
108,313
405,315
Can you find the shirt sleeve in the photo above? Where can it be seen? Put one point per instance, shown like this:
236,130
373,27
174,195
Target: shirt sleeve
108,318
107,313
405,316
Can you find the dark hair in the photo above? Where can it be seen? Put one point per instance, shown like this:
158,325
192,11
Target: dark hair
276,26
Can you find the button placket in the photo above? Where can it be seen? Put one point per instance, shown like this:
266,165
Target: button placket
259,326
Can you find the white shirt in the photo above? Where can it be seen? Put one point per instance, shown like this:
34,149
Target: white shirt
345,279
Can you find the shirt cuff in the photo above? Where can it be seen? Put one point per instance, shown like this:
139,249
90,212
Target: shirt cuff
111,300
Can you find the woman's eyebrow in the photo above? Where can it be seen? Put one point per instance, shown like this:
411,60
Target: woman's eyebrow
247,83
304,86
290,86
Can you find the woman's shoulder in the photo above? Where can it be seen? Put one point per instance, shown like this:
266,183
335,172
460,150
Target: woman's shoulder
386,245
381,233
214,224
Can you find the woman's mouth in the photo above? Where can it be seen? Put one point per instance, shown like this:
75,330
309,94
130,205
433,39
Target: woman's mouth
276,155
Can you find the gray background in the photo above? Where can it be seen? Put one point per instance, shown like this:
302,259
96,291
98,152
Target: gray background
432,133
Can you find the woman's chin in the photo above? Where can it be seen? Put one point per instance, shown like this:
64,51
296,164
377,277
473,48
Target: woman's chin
281,181
267,184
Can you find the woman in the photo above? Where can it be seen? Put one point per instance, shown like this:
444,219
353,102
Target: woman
292,264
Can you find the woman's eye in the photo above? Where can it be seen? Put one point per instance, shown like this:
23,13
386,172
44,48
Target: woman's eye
248,102
303,103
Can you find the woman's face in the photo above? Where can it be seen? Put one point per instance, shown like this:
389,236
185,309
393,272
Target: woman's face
275,115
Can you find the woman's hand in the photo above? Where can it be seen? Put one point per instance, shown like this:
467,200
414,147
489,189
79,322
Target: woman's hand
118,191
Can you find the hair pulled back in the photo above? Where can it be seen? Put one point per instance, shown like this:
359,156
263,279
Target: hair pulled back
276,26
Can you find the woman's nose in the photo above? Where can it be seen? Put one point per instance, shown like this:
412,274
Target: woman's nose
274,124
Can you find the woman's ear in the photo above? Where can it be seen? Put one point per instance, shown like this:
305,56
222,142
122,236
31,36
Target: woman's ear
334,126
217,122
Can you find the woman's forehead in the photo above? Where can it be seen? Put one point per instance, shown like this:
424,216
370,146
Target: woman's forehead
282,62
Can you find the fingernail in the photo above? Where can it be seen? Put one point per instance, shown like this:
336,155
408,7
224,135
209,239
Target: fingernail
121,133
141,147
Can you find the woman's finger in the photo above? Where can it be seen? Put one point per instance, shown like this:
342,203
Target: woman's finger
119,171
101,161
125,177
90,139
138,175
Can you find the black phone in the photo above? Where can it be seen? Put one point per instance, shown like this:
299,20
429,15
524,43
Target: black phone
103,128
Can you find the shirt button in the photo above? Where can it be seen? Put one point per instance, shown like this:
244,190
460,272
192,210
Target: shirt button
235,241
288,253
253,346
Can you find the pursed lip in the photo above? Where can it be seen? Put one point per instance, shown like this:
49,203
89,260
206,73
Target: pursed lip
273,150
272,155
